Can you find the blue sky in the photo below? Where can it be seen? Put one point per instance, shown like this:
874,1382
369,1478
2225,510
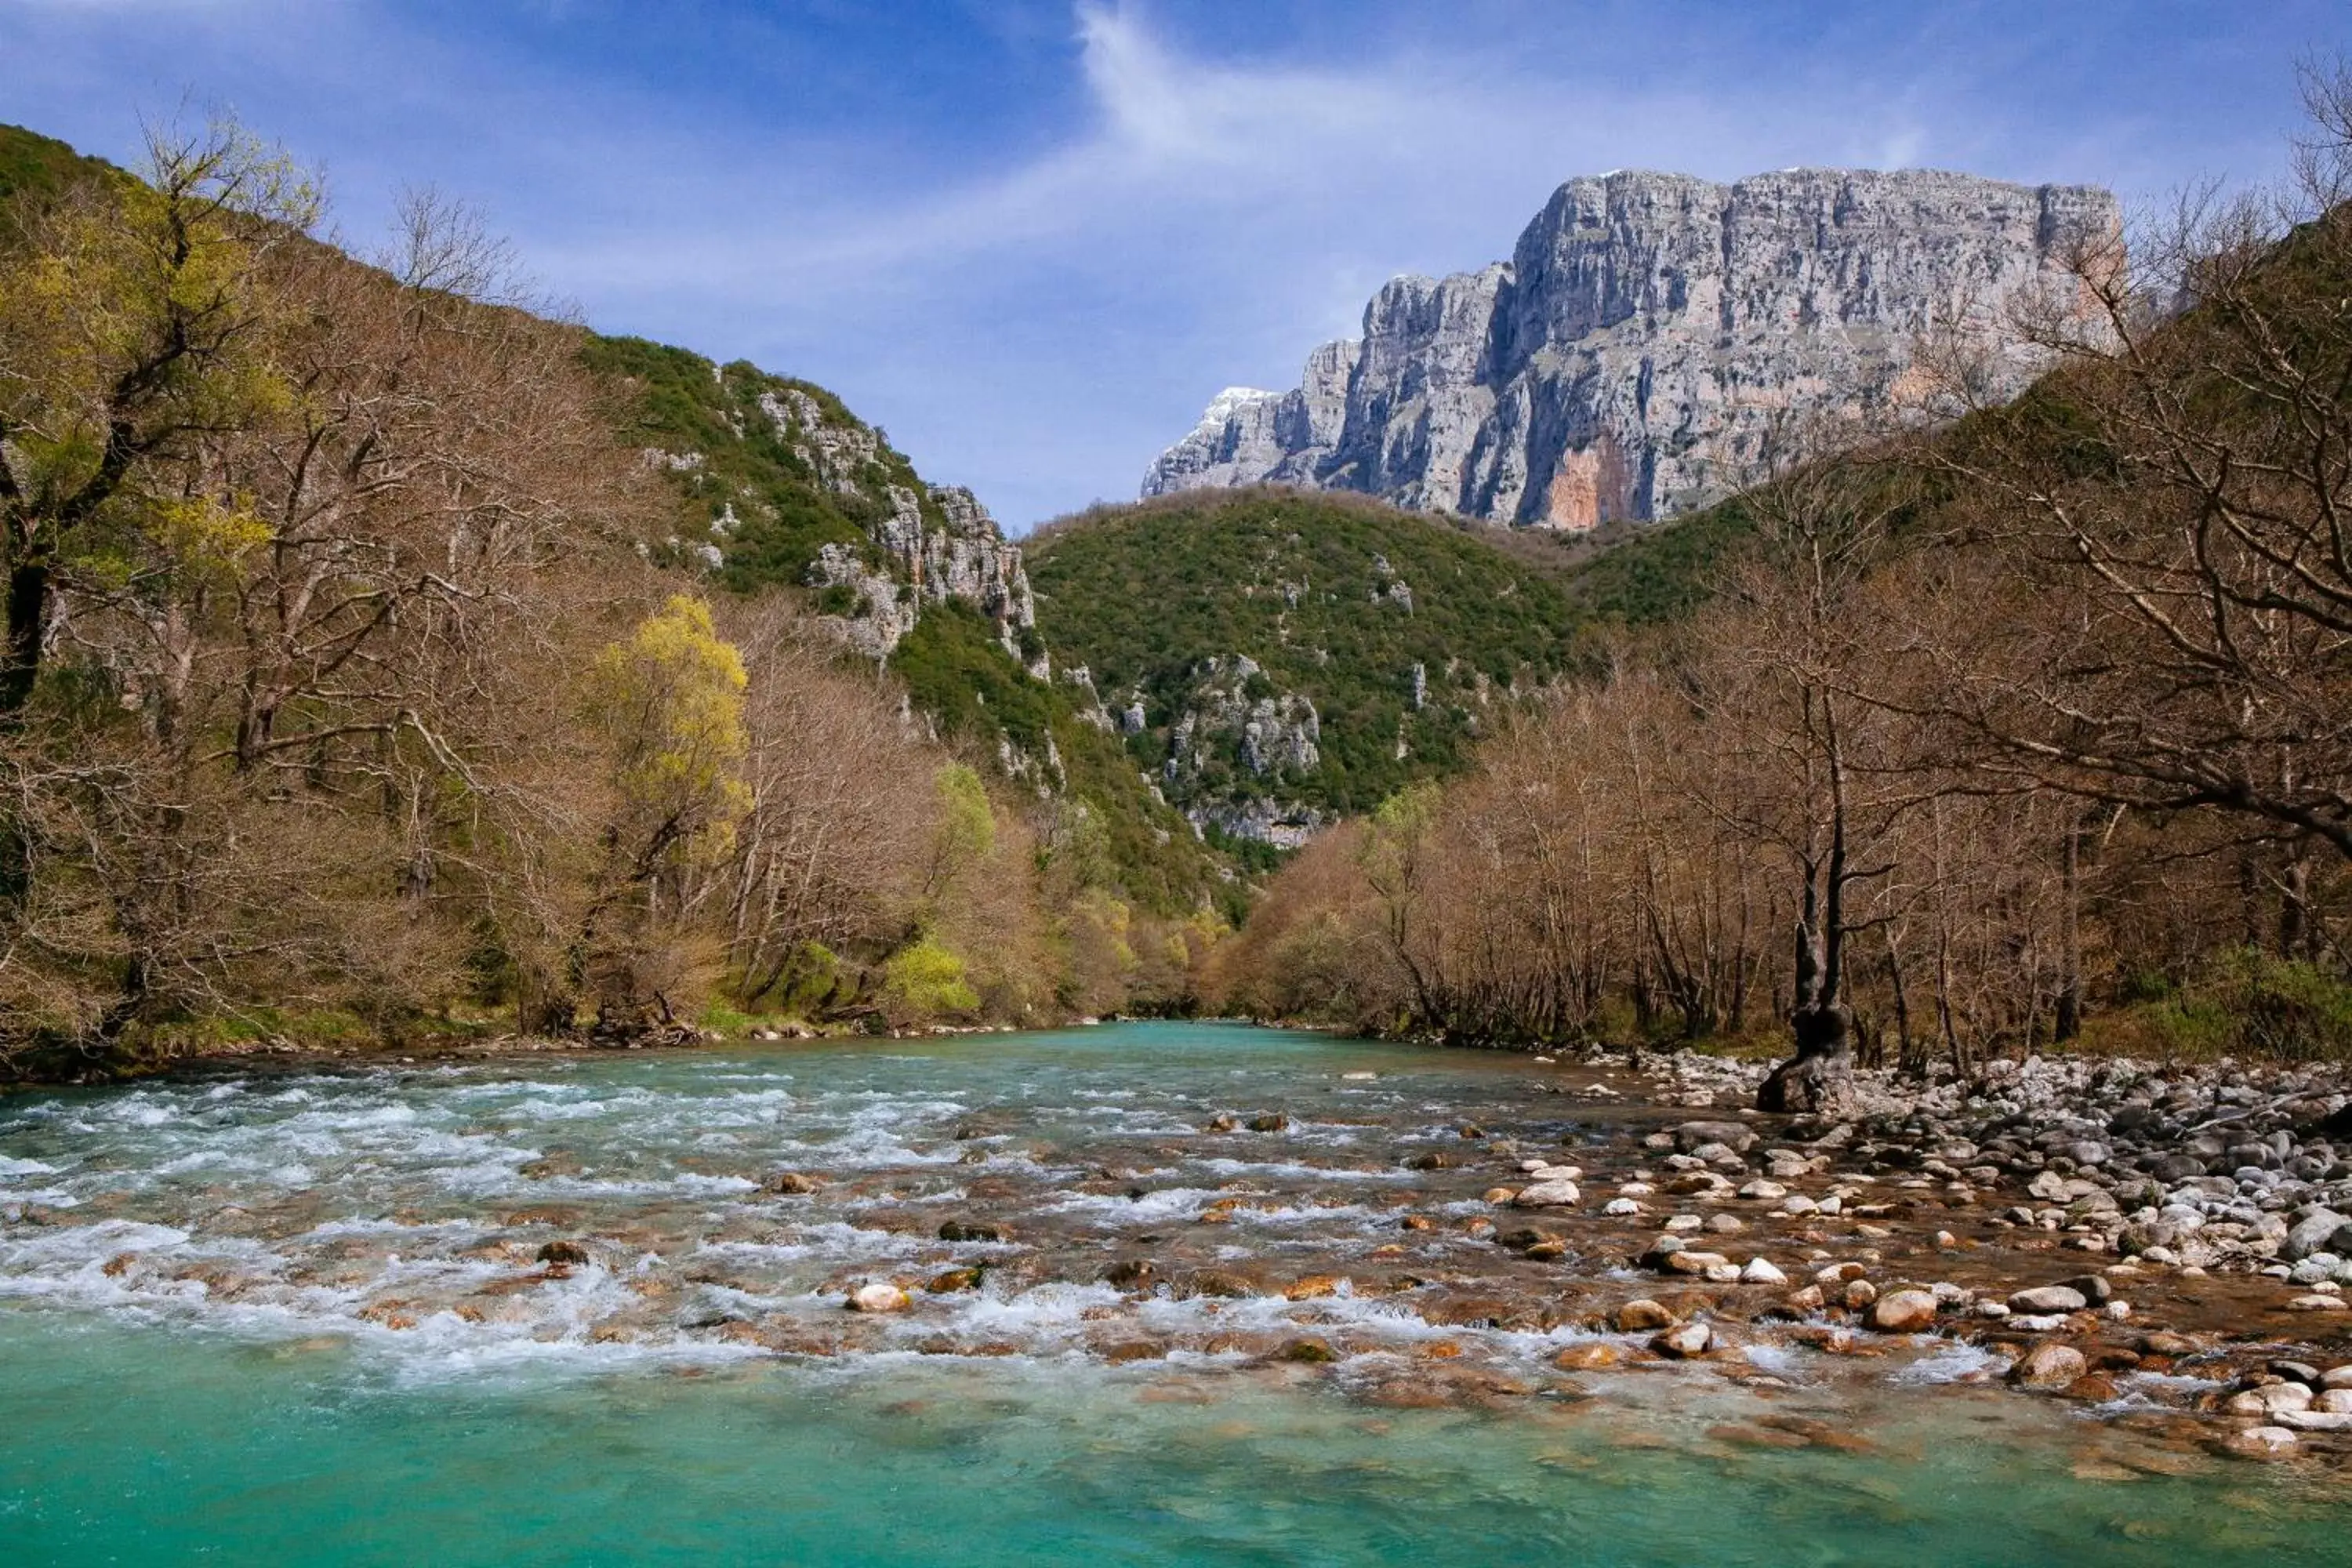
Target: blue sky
1031,238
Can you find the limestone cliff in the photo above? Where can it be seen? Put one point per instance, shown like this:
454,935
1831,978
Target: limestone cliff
1645,331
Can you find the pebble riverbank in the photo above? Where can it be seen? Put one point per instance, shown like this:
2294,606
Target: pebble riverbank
2162,1251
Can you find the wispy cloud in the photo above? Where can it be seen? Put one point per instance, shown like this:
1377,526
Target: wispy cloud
1035,287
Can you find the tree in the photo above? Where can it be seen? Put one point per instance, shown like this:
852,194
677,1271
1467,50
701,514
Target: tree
2174,499
136,319
668,703
1775,670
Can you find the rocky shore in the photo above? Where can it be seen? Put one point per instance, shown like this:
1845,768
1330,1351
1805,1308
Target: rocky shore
2162,1251
2166,1249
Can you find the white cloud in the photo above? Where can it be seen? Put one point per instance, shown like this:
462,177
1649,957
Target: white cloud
1037,323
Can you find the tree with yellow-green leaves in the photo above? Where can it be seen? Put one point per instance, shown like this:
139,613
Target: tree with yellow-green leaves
294,553
667,704
136,319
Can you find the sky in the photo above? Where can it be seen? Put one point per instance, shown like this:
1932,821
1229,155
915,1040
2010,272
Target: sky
1031,238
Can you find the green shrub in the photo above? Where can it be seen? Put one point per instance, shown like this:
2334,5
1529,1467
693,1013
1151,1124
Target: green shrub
923,981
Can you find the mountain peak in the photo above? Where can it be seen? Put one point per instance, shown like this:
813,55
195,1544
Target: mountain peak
1648,324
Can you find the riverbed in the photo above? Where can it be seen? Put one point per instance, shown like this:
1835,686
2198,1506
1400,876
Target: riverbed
1166,1293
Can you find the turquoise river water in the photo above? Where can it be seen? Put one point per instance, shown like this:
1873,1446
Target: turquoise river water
301,1317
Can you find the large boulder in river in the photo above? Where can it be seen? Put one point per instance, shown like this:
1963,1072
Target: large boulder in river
2320,1230
2049,1366
1904,1312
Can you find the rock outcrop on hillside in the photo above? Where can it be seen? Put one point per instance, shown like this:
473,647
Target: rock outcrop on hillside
1624,361
950,548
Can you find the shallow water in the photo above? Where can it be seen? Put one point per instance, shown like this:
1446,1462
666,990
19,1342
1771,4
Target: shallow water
298,1318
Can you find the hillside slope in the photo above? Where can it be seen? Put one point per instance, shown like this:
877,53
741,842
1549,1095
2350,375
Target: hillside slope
780,486
1278,658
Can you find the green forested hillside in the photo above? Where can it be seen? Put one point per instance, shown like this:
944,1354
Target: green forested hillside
1335,599
35,165
766,502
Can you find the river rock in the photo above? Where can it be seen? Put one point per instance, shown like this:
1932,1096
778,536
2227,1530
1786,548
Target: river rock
1761,1271
793,1184
1642,1315
2315,1420
2317,1232
2048,1299
1549,1194
2049,1366
1904,1312
2261,1442
1684,1342
1695,1135
877,1299
1691,1260
564,1253
974,1230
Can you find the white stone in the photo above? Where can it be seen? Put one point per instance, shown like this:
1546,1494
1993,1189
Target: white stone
1549,1194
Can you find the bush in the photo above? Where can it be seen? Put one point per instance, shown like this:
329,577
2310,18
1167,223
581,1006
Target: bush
924,981
2244,1002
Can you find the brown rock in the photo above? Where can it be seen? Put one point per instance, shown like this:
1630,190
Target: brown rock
1596,1355
1642,1316
1904,1312
2049,1365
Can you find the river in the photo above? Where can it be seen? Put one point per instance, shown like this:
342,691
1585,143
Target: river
304,1315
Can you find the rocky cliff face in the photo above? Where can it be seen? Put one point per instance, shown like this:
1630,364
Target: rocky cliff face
1646,329
950,548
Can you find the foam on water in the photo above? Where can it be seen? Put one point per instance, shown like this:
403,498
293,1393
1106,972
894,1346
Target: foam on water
374,1238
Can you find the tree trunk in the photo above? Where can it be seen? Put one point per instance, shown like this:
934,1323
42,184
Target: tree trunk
1819,1077
2069,1021
542,1006
28,605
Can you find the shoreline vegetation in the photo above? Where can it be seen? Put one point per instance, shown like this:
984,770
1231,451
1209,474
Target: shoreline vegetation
358,687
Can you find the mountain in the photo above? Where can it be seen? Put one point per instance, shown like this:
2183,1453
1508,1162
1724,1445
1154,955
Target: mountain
1274,659
1647,329
778,485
